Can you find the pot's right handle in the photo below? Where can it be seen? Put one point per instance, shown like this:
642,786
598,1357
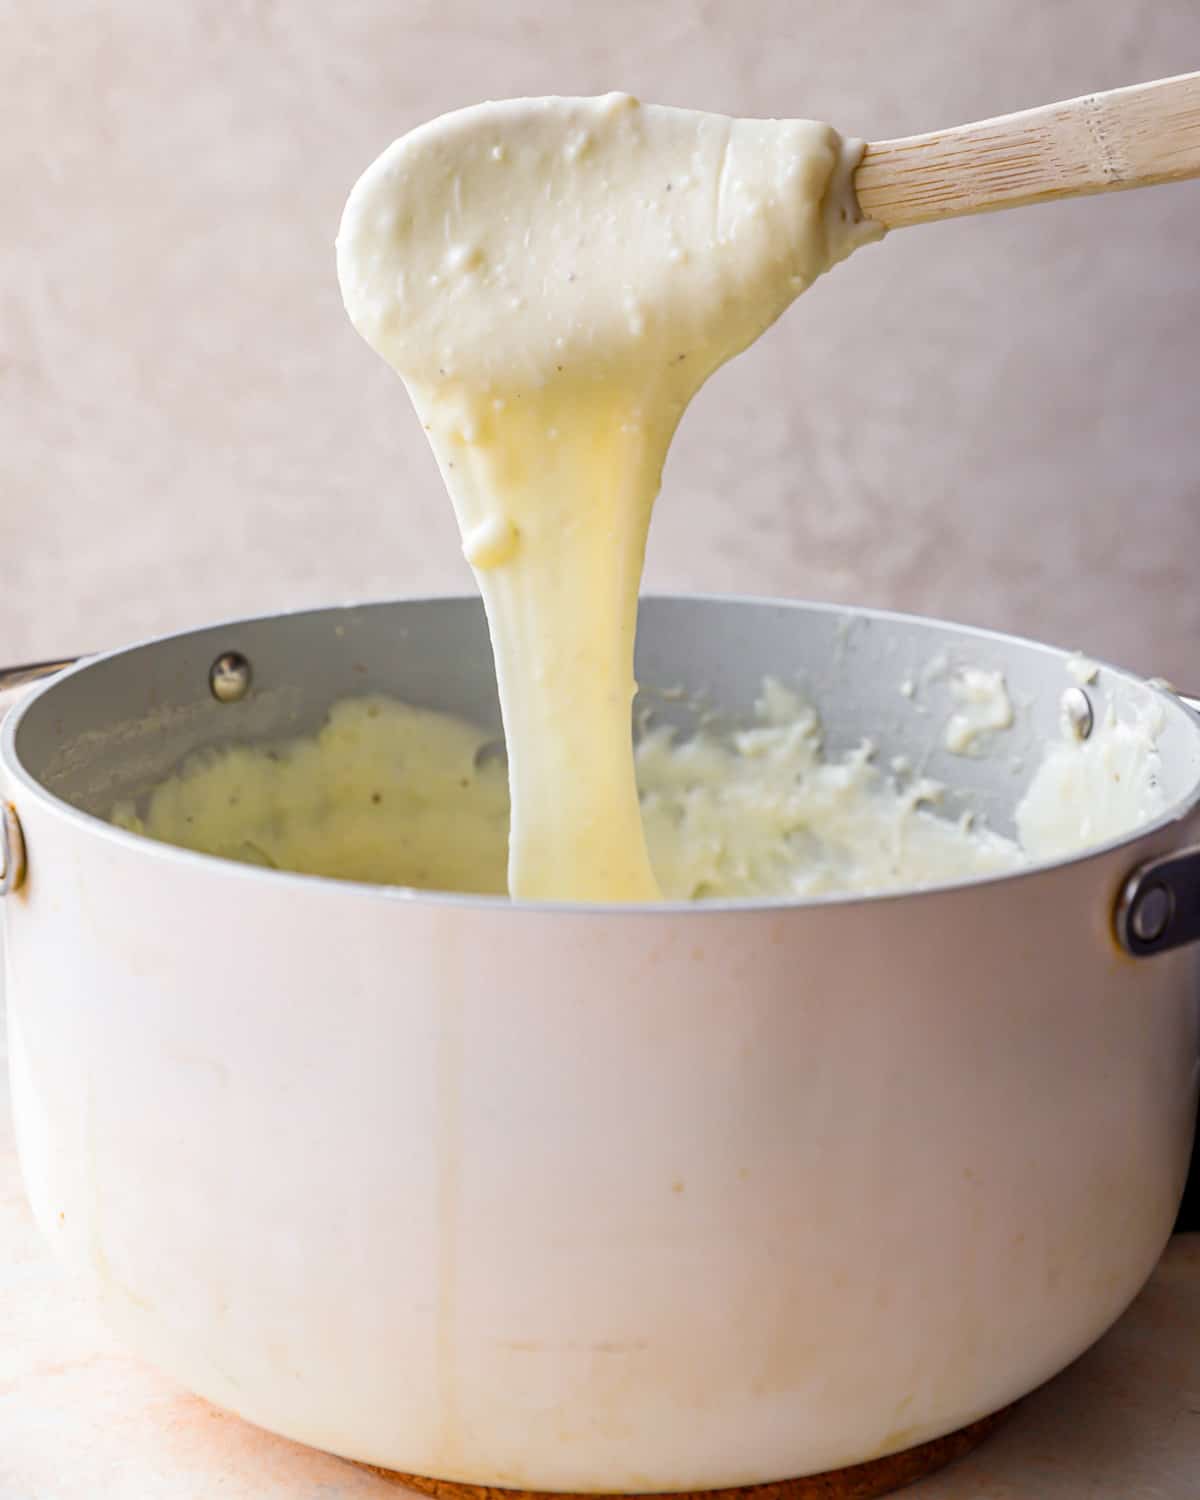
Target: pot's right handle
1159,905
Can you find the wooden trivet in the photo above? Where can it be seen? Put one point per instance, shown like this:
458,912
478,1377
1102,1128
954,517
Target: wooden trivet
881,1476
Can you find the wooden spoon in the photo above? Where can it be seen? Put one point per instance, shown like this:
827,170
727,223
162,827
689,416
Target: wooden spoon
1132,137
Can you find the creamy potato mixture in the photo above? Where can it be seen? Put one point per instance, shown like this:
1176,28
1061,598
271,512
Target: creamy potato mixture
396,795
404,796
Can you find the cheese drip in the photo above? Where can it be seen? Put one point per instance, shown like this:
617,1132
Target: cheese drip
554,280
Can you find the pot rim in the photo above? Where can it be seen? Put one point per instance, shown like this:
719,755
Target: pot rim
94,826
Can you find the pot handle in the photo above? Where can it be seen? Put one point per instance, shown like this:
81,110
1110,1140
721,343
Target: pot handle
1159,905
13,681
12,849
12,678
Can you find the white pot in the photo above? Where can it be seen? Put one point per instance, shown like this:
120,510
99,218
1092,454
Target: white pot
592,1199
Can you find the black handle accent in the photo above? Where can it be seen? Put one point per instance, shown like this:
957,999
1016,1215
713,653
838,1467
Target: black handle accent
1159,905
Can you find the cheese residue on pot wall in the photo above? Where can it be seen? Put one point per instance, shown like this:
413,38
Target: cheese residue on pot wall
983,706
1086,792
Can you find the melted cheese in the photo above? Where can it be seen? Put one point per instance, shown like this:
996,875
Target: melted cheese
554,279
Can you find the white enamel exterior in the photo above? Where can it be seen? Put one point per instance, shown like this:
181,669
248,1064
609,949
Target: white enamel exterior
593,1200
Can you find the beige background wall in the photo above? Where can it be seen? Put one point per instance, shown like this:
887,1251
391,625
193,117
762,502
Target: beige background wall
997,420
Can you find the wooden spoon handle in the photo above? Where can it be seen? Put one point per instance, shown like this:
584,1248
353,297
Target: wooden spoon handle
1126,138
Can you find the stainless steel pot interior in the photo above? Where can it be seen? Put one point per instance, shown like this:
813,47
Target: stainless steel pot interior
109,728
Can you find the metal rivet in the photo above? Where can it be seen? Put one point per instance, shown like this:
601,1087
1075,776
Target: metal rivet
12,849
229,677
1151,913
1075,708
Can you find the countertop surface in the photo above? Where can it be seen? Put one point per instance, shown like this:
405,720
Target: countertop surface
80,1418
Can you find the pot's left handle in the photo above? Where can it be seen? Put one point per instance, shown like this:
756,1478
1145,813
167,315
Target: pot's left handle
13,682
